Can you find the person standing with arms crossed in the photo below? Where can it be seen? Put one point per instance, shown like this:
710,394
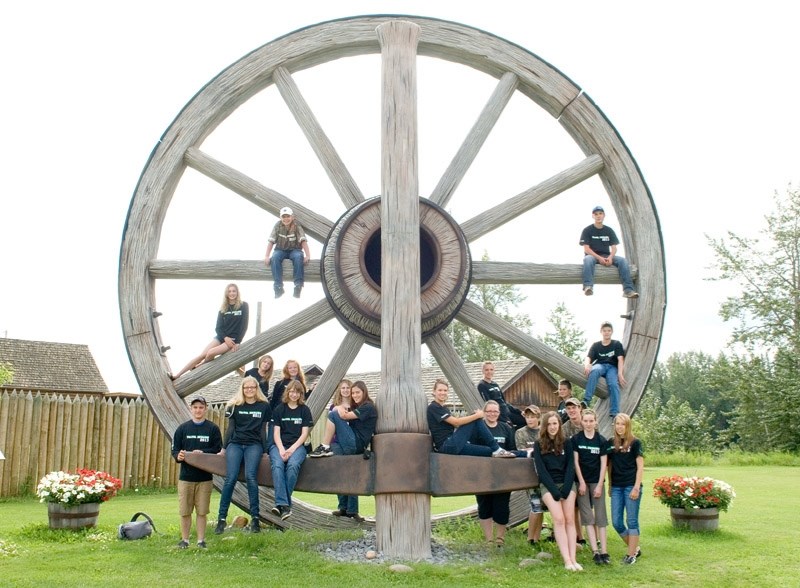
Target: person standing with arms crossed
493,509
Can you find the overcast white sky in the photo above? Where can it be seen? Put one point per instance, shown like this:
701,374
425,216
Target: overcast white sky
704,95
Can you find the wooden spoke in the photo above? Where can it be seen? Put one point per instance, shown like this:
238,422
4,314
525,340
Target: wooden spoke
446,356
293,327
335,372
224,269
512,272
315,224
342,181
474,141
493,326
497,216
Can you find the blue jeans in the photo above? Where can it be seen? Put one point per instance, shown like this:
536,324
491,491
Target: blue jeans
345,436
609,372
349,504
474,438
621,501
276,264
285,473
235,454
620,263
345,445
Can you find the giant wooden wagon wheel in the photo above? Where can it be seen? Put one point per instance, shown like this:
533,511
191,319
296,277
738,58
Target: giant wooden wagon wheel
402,242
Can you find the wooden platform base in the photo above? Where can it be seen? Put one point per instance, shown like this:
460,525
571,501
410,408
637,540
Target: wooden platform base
400,462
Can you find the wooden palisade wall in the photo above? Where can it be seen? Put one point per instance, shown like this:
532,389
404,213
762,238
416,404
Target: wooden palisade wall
41,433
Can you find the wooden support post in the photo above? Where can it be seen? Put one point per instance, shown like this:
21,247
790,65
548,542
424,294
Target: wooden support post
403,526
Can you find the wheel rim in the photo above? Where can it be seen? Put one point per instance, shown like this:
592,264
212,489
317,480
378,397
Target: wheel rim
517,71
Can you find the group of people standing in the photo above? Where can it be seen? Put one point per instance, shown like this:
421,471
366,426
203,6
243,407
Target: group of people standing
277,424
572,460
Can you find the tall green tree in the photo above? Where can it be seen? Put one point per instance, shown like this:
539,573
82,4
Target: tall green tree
766,272
501,300
566,336
766,309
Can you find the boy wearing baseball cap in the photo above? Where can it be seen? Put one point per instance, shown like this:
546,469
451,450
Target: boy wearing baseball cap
600,246
194,485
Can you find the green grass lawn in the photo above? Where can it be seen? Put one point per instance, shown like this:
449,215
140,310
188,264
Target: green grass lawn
756,546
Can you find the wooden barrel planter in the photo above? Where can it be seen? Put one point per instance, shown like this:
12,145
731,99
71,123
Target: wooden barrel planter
697,519
77,516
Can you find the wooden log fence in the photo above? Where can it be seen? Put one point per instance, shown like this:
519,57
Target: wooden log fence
41,433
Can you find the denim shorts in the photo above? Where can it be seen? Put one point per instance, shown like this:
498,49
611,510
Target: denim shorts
535,497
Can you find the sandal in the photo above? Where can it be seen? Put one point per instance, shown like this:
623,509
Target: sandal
500,541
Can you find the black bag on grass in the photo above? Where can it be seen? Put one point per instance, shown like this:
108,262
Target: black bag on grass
136,529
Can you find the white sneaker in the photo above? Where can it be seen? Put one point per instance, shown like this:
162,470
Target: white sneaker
503,453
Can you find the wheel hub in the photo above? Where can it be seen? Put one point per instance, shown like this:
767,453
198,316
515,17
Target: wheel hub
351,268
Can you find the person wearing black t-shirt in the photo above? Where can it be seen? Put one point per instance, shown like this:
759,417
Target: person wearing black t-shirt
232,320
467,435
493,509
490,390
555,466
625,471
605,359
291,371
600,246
194,485
590,469
353,427
262,373
291,423
245,442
